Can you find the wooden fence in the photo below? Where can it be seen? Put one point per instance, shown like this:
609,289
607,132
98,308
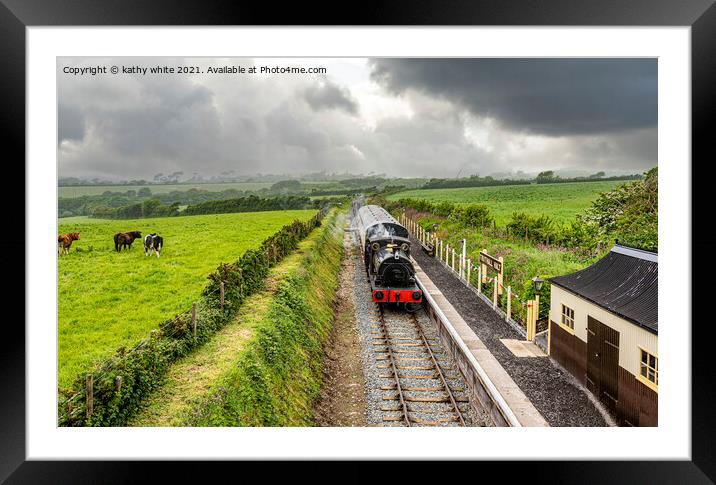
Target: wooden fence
491,289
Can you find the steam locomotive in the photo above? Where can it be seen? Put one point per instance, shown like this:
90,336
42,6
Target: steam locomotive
386,252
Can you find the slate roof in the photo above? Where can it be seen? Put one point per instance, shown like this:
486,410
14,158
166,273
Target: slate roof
624,282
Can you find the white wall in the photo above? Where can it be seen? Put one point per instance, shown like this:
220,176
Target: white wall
631,336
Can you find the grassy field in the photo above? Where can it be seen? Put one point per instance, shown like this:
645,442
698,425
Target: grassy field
559,201
107,300
523,260
70,192
196,376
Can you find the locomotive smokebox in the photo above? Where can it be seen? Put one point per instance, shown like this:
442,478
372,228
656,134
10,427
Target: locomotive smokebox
393,269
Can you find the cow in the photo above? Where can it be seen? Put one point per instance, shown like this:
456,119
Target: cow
64,241
124,240
153,242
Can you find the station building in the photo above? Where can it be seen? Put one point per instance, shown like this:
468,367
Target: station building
604,330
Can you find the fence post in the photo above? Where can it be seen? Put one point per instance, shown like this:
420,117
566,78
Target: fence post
464,255
531,323
484,268
90,395
453,259
528,320
535,311
479,279
447,252
494,292
193,319
509,304
221,294
500,279
469,265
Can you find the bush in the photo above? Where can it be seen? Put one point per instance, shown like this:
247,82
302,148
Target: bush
534,228
473,215
476,215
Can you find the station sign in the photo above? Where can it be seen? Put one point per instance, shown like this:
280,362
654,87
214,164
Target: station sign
493,263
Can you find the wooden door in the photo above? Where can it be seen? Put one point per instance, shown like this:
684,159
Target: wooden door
603,362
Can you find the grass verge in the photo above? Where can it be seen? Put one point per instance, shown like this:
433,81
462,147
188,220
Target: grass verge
265,367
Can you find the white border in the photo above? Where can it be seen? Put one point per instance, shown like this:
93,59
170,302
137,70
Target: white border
671,440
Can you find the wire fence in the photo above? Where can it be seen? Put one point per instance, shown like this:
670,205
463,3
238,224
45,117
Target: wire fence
491,289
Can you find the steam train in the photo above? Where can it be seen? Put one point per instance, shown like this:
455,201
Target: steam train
386,252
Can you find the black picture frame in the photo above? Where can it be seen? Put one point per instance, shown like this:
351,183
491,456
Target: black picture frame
700,15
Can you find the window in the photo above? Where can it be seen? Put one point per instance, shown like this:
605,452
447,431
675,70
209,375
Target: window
649,368
567,317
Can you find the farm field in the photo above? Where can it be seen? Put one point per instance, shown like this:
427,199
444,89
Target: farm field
79,191
559,201
194,377
107,300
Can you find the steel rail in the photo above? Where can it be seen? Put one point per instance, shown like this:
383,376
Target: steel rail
440,372
392,363
489,386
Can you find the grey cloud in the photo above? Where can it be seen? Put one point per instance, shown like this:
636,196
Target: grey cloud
70,123
330,96
134,127
554,97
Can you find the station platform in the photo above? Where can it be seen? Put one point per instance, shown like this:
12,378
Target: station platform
537,389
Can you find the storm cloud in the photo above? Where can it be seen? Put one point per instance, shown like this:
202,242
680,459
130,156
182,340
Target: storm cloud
327,95
554,97
402,117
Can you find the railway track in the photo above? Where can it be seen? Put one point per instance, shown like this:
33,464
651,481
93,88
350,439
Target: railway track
420,385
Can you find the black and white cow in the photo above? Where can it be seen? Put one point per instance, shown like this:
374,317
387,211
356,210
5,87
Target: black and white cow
152,242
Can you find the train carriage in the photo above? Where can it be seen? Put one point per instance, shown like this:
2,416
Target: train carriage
386,252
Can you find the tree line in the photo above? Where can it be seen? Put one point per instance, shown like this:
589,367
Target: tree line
546,177
252,203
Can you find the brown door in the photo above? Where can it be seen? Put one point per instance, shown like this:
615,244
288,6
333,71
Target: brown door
603,362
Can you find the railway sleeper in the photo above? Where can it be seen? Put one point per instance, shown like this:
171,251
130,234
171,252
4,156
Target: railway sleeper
432,376
418,389
423,399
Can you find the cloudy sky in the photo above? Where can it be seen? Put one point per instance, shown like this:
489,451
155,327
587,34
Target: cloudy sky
402,117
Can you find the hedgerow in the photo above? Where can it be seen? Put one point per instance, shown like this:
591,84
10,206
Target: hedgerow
471,215
141,369
277,377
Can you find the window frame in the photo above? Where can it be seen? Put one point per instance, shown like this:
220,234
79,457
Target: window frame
562,316
653,385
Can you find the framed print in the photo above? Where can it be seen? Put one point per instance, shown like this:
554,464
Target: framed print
284,241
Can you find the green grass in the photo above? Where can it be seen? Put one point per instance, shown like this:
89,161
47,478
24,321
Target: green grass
559,201
522,260
107,299
196,375
70,192
276,376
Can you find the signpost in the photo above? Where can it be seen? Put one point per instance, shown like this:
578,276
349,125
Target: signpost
496,264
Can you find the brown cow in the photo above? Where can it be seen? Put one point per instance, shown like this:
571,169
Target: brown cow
124,240
64,241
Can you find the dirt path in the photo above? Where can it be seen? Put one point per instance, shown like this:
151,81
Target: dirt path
342,400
